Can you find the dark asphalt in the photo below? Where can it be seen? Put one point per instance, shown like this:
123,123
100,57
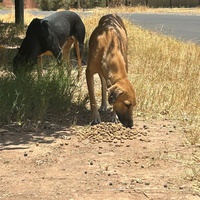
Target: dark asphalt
181,26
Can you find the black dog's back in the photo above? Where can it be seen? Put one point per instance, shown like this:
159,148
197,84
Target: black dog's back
63,28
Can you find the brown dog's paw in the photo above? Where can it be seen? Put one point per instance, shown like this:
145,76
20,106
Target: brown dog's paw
94,123
103,108
96,119
114,118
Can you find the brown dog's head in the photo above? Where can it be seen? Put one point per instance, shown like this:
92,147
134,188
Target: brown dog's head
123,101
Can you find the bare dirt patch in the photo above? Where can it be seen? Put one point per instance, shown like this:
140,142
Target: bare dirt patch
59,162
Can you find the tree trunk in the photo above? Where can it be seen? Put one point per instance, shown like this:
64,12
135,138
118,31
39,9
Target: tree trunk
78,4
170,4
19,12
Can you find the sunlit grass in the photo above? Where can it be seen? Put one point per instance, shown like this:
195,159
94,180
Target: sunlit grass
141,9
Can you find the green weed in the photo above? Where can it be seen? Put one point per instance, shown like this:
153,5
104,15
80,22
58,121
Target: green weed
26,97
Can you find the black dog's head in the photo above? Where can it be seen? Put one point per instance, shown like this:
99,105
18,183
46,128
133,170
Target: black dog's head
21,64
30,48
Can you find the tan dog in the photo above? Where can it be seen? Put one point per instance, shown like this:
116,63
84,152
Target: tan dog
108,58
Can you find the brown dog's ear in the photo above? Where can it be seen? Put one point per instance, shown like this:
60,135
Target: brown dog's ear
113,94
127,103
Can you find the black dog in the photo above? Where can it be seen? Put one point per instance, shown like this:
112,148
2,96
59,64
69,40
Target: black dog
52,35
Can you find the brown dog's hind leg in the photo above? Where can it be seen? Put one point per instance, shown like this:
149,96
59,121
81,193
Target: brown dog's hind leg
93,104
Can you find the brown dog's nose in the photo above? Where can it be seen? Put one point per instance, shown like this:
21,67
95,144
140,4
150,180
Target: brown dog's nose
128,124
126,120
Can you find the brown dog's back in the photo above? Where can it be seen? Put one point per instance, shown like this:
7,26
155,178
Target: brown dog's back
104,43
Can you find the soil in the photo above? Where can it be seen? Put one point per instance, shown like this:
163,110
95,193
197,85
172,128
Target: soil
46,160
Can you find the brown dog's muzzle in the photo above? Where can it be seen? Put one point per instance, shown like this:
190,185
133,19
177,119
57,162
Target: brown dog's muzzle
125,120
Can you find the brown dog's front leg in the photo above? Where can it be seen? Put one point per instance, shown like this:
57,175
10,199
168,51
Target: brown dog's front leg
93,104
103,94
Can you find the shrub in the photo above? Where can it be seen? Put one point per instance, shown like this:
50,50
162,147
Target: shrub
53,4
27,97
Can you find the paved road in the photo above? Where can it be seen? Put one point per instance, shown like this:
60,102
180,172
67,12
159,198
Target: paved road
183,27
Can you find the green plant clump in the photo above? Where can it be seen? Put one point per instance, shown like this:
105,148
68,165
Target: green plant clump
27,97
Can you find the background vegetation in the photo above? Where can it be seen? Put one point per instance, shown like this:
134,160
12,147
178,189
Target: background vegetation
66,4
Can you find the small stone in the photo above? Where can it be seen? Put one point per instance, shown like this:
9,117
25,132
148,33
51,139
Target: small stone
138,181
146,127
165,186
68,138
181,187
91,162
3,130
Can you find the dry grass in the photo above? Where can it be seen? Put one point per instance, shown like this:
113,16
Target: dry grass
164,71
141,9
10,18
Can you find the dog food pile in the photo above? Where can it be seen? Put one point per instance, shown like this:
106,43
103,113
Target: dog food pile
108,132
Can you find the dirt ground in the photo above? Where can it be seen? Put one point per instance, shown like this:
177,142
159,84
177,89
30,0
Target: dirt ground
57,160
106,161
